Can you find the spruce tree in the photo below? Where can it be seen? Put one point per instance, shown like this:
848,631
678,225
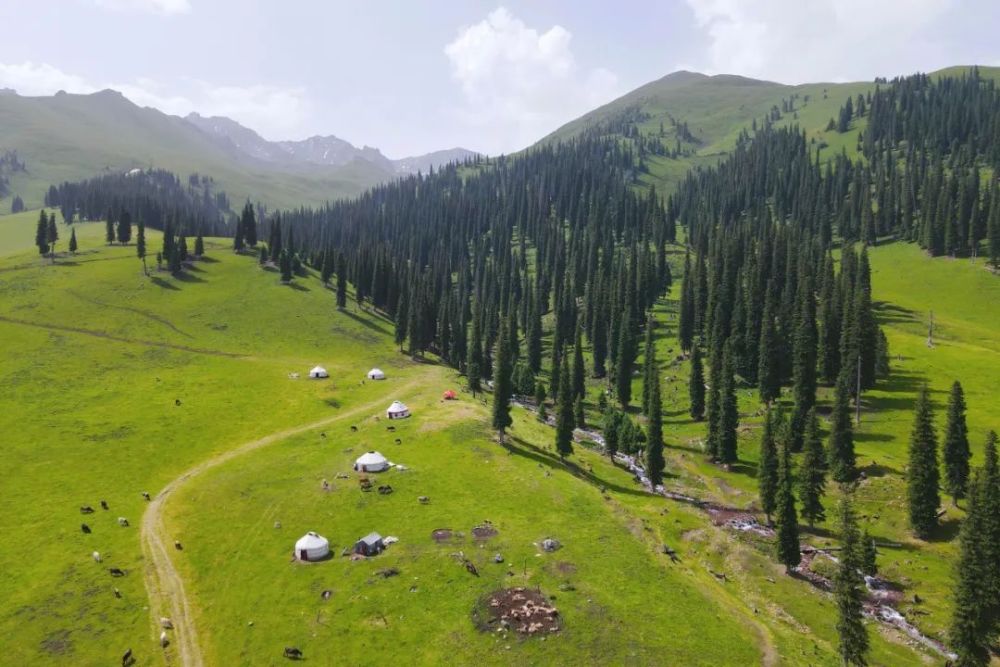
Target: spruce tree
841,448
767,466
199,246
989,502
648,366
728,412
52,235
42,233
124,228
867,554
72,241
140,246
564,412
502,390
971,623
623,364
956,445
540,399
922,471
654,435
789,553
109,229
812,481
769,352
849,593
474,365
804,364
579,371
696,386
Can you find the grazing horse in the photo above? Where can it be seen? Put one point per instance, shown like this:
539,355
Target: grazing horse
127,658
166,623
86,509
118,594
163,639
116,572
96,556
85,528
122,521
292,653
178,545
354,429
145,494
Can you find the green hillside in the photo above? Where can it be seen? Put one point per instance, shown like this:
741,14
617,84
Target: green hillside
72,137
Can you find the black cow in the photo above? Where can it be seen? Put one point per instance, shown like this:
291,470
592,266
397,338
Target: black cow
104,504
86,509
292,653
85,528
127,658
116,572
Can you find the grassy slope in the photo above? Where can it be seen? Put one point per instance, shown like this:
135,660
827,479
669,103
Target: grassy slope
71,137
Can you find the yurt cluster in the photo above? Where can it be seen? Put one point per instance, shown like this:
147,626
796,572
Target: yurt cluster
312,546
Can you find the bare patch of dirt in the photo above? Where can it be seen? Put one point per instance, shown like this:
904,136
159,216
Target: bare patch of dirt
565,567
442,535
522,610
57,643
484,531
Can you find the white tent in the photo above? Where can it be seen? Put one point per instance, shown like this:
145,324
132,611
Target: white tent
397,411
371,462
376,374
312,546
318,372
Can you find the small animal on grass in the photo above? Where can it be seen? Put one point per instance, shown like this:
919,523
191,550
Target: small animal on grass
166,623
127,658
423,500
104,504
145,494
123,522
163,639
116,572
354,429
323,434
385,490
327,594
177,401
178,545
96,556
398,441
390,428
292,653
86,509
118,594
471,568
85,529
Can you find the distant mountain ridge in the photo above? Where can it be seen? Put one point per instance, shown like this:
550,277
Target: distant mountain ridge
322,150
72,137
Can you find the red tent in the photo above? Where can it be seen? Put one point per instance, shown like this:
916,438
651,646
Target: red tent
449,395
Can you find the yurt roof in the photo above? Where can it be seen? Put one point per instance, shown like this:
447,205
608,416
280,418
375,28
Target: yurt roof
371,458
376,371
318,369
312,540
397,406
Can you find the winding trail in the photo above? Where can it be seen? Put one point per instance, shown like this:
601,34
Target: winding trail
164,584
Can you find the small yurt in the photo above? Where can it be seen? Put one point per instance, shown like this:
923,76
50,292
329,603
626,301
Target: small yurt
371,462
318,372
312,546
397,410
449,395
376,374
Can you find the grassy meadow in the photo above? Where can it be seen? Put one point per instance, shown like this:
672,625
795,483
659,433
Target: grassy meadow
114,383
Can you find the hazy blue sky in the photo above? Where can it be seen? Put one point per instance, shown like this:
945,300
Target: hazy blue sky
410,77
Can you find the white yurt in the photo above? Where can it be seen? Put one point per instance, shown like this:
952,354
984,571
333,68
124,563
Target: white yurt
397,410
312,546
318,372
376,374
371,462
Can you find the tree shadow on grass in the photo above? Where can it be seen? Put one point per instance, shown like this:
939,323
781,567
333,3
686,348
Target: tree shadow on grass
366,321
208,260
744,468
298,287
186,277
520,447
160,282
865,436
946,531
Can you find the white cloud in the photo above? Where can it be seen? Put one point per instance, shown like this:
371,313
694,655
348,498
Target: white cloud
805,40
518,83
276,112
163,7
